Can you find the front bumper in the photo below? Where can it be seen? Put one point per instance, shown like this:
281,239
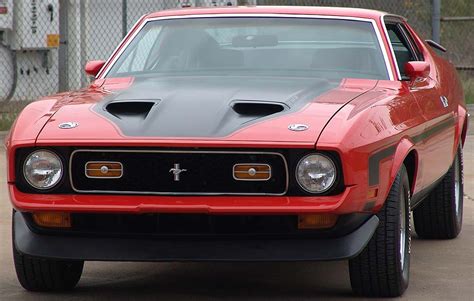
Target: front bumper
349,201
113,248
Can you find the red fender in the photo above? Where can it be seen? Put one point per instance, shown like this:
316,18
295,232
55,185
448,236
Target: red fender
26,129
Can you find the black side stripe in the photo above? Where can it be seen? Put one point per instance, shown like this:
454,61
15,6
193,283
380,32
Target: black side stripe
376,158
374,163
434,130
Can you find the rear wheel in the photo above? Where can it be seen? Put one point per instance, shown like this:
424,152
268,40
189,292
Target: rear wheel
440,215
382,269
38,274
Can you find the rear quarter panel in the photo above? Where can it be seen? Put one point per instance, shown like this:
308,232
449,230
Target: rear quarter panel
450,85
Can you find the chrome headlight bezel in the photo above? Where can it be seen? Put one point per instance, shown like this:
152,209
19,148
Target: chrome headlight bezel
58,162
329,187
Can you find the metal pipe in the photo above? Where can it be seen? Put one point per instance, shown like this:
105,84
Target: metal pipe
83,4
436,21
12,89
124,18
467,68
63,80
451,19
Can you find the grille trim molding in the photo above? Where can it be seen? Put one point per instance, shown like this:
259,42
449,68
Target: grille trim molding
285,163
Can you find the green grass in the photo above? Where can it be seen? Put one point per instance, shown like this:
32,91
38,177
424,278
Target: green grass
6,120
470,97
8,113
469,90
467,80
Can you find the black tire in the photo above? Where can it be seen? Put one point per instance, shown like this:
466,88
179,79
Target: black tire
46,275
382,268
439,216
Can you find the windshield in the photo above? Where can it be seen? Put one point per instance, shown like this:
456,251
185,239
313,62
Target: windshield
250,46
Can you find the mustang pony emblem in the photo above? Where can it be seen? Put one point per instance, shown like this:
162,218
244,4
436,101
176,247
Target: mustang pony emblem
177,171
444,101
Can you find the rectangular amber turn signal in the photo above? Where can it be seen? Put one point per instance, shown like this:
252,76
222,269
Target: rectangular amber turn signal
252,172
372,193
52,219
104,170
316,221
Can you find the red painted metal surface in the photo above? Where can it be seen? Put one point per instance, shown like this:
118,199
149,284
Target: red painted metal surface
182,204
358,119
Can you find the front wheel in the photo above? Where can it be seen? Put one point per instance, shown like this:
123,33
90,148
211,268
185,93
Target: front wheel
46,275
382,268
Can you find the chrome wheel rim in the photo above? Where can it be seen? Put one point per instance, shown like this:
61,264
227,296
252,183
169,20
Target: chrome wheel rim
403,232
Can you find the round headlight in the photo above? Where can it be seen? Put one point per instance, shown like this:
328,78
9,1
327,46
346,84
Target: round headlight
43,169
316,173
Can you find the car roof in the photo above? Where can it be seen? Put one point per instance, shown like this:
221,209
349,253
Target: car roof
292,10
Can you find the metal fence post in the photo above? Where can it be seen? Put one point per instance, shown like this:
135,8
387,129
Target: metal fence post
436,21
83,39
124,18
63,80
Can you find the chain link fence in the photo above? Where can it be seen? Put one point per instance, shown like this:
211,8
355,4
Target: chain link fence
34,63
417,11
101,26
28,54
457,35
456,24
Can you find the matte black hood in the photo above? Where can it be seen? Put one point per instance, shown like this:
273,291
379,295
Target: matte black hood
205,106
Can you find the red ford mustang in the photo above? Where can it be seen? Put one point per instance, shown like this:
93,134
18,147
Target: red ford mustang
244,134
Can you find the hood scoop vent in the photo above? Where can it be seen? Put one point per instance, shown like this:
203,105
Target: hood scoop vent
130,109
258,108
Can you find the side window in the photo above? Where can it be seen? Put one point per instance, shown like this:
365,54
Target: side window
410,39
401,47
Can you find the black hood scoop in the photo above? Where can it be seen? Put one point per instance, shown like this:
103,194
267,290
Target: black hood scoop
205,106
130,109
258,108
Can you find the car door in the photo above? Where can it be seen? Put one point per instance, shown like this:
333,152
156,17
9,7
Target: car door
435,139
